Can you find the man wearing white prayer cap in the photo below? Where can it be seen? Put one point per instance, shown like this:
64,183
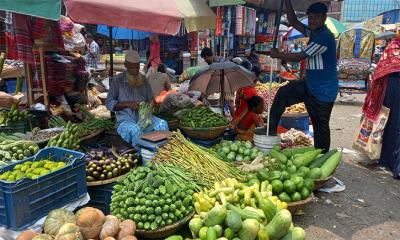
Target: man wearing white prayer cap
127,91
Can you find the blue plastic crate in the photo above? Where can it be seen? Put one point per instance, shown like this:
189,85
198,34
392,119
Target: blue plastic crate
206,143
24,202
100,197
12,85
299,123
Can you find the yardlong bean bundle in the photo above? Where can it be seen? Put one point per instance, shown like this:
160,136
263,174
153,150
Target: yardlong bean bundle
205,167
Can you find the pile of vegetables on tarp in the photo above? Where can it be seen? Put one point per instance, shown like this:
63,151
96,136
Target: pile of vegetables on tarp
293,179
87,223
151,198
205,167
233,210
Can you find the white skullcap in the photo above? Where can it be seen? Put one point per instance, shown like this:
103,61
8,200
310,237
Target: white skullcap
132,57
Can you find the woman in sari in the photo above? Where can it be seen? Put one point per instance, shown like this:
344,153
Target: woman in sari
249,119
385,91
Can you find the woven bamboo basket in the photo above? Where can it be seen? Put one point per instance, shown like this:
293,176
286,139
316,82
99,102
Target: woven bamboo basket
293,207
203,133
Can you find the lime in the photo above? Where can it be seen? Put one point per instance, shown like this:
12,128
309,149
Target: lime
296,196
289,186
315,173
305,193
309,184
284,197
277,186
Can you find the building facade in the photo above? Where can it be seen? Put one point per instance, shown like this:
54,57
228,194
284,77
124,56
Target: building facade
356,11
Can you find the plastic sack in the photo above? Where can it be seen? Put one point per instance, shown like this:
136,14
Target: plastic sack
145,116
175,102
369,136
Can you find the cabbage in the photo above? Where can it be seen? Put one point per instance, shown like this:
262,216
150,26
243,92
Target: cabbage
250,228
195,225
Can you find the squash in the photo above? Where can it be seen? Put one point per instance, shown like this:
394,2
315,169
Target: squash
215,216
69,231
56,219
295,233
317,163
266,205
331,164
42,237
27,235
249,230
305,159
233,221
195,225
280,225
90,221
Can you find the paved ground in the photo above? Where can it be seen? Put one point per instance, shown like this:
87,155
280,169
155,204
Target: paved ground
369,208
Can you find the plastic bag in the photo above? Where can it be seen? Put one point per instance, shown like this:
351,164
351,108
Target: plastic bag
175,102
369,136
145,116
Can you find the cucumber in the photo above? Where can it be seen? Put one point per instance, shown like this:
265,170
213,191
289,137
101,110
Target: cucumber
289,152
331,164
321,160
306,158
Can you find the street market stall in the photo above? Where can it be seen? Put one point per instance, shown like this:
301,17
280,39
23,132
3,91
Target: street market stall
77,182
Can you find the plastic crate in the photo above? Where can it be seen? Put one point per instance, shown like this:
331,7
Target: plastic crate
100,197
206,143
299,123
11,85
24,202
18,127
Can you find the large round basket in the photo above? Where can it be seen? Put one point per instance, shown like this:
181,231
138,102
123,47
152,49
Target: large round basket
173,125
203,133
293,207
165,231
103,182
320,183
93,137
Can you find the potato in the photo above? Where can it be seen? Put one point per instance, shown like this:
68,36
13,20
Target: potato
129,238
90,221
110,227
27,235
126,228
109,238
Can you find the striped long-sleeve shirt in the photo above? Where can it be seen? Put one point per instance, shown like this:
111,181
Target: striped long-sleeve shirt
322,76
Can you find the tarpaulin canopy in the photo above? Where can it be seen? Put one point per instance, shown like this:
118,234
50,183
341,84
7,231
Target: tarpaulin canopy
150,15
298,5
217,3
123,33
49,9
197,15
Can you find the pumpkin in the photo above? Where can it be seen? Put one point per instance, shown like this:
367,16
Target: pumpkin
27,235
69,231
43,237
56,219
90,221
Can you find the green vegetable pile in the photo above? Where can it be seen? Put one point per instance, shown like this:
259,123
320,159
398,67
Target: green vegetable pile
31,170
151,199
298,168
237,151
202,117
13,116
13,150
68,139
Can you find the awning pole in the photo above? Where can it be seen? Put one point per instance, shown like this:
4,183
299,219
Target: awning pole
277,24
111,73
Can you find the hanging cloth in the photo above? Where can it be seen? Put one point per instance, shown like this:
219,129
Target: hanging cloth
22,38
218,31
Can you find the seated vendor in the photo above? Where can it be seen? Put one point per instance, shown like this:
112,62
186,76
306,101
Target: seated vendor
249,119
127,91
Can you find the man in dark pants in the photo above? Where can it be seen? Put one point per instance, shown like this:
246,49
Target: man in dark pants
320,89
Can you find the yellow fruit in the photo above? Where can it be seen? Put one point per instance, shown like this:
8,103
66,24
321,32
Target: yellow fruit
44,172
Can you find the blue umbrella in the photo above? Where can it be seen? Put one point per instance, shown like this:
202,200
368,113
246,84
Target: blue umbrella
123,33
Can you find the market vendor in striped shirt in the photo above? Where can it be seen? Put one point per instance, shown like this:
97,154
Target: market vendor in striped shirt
320,89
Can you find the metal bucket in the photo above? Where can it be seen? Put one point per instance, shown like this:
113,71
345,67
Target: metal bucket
262,141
